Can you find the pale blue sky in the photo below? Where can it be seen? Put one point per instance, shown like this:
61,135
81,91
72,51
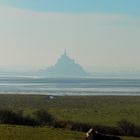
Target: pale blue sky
101,33
109,6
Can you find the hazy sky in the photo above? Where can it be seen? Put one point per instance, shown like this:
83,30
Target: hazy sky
104,33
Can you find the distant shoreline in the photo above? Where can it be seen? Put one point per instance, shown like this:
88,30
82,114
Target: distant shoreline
76,95
70,86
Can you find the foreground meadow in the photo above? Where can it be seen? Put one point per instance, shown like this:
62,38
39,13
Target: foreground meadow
9,132
13,132
96,110
104,110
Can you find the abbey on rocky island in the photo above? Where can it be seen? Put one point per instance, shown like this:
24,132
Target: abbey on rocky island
65,67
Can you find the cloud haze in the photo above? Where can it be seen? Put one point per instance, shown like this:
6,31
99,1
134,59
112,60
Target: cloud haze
30,38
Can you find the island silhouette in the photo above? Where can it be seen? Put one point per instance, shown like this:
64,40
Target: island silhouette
65,67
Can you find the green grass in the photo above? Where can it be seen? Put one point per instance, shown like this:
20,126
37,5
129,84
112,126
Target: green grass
40,133
97,110
104,110
13,132
130,138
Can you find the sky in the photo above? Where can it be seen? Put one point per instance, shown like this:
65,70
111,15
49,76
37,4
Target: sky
96,33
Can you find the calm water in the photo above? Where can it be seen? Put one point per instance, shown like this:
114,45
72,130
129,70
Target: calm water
69,86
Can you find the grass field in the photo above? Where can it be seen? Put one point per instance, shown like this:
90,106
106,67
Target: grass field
9,132
39,133
104,110
97,110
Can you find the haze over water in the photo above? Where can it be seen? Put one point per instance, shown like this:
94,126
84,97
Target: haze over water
96,33
69,86
101,34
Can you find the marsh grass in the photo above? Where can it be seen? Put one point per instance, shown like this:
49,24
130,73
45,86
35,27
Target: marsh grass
92,110
104,110
10,132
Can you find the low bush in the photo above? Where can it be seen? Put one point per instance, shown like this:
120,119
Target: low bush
124,128
128,128
42,117
10,117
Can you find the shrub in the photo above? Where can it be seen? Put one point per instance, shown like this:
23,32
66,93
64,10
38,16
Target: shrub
43,117
10,117
129,128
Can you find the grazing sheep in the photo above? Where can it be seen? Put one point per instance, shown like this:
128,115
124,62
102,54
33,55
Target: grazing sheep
94,135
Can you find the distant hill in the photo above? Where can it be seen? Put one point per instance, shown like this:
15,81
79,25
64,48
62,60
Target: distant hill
65,67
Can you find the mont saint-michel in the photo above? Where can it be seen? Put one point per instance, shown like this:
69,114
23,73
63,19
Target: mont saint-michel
65,67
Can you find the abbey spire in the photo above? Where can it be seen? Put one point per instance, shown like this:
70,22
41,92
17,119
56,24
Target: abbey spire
65,52
66,67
